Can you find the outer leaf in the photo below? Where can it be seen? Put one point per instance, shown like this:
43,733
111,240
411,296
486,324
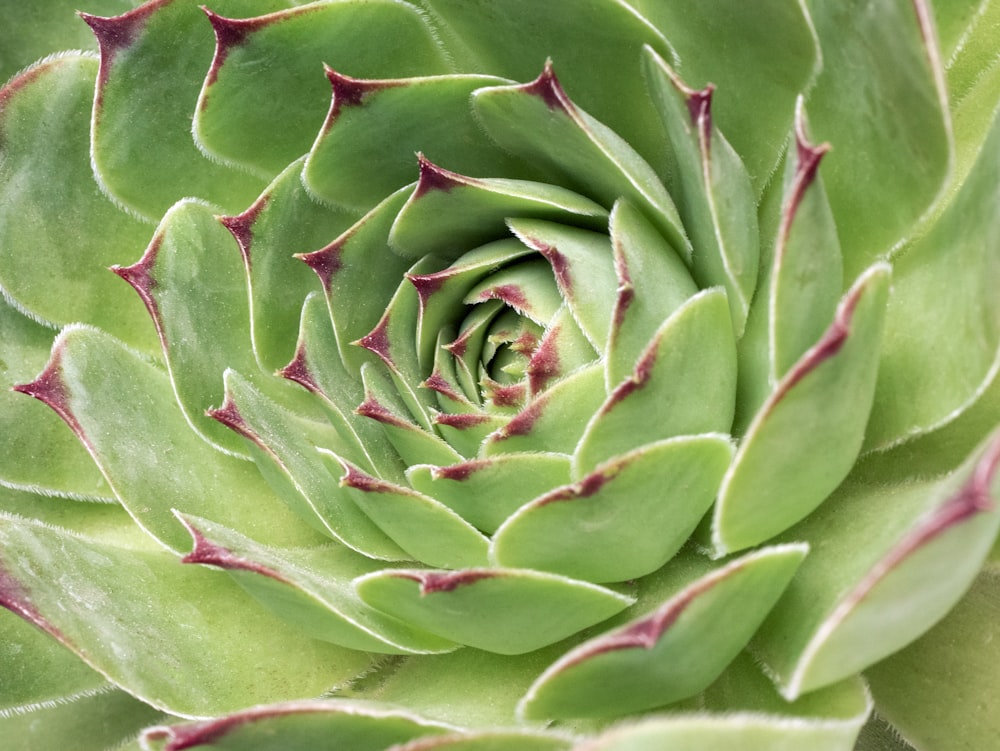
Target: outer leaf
761,57
935,363
296,726
309,587
140,73
714,196
880,92
287,456
938,691
45,161
283,220
507,611
280,58
675,652
374,127
108,395
892,562
36,451
596,45
806,437
139,618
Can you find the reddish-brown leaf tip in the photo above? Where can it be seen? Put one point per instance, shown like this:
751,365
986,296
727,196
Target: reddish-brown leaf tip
548,88
209,553
447,581
326,261
241,226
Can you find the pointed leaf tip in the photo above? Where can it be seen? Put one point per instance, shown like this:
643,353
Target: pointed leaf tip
433,177
209,553
548,88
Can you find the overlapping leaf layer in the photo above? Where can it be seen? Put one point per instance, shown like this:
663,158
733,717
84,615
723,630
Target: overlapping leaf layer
596,375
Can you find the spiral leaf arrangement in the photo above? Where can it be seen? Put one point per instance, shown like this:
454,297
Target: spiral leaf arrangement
580,375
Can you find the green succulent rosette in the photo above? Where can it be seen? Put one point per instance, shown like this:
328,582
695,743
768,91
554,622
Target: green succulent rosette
580,375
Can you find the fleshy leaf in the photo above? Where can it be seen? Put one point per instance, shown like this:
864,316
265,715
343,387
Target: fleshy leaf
280,58
310,587
806,436
486,491
539,122
507,611
44,117
449,213
36,451
583,267
714,196
296,725
758,79
652,283
936,362
138,616
625,519
361,155
675,652
108,395
344,266
282,221
683,383
937,691
288,458
596,47
555,420
891,563
881,91
141,73
801,283
422,526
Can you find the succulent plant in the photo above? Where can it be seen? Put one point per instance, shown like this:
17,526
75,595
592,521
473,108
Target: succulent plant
582,375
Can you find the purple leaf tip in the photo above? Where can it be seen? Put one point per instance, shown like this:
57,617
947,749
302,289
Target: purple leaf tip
325,261
547,87
446,581
432,177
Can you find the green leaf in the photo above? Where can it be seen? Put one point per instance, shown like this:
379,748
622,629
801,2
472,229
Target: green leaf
653,282
622,521
142,73
881,92
937,359
36,451
888,563
141,619
344,266
449,213
556,419
486,491
714,196
310,587
507,611
365,150
760,57
675,652
282,221
287,456
595,45
539,122
280,59
583,267
45,161
296,726
109,395
684,383
802,282
422,526
806,437
936,691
